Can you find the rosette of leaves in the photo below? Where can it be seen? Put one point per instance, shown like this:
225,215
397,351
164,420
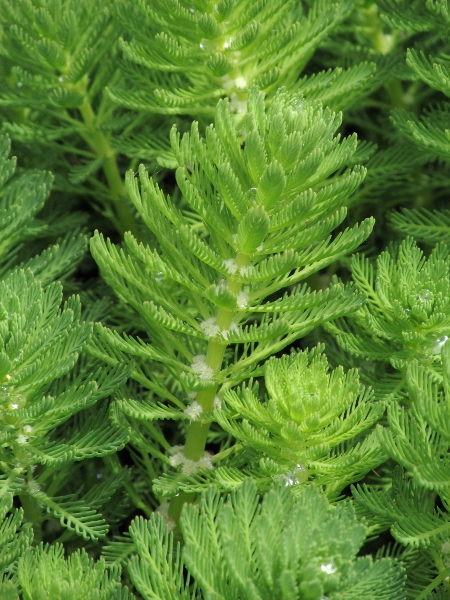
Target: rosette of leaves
261,211
275,547
310,424
406,316
43,385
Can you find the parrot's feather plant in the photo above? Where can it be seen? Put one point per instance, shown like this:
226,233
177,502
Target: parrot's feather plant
245,242
224,300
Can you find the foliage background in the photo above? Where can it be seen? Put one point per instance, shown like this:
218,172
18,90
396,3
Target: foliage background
328,392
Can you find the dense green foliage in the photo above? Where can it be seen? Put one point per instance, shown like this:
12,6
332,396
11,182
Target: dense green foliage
224,299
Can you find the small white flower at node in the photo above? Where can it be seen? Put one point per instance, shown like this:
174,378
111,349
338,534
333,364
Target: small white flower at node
27,428
226,332
206,462
188,466
217,403
191,466
199,358
192,395
13,406
177,458
22,439
244,270
227,82
240,82
445,548
33,486
210,327
8,377
194,411
163,510
221,286
237,106
242,300
231,266
200,367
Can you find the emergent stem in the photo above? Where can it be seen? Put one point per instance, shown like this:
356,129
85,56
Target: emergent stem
197,431
122,216
32,512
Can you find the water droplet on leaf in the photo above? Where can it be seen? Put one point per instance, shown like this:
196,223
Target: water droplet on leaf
329,568
251,193
425,296
439,342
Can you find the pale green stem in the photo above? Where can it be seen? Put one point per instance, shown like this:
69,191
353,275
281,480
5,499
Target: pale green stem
121,216
384,43
31,507
33,514
433,585
197,431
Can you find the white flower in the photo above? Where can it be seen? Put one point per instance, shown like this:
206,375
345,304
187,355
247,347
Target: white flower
200,367
231,266
236,105
188,466
177,459
193,466
217,403
210,327
33,486
226,332
163,510
194,411
242,300
241,83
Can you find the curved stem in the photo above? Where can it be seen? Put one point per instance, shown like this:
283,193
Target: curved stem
121,216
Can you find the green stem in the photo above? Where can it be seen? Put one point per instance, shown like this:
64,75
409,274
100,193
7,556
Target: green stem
197,431
33,514
433,585
122,216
